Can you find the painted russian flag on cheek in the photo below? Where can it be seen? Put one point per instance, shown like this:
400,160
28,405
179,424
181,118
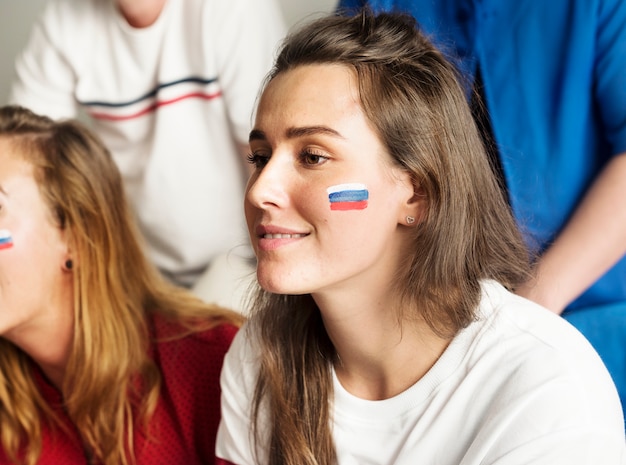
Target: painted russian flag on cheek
6,240
351,196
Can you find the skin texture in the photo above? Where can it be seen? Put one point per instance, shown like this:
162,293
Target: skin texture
310,134
140,13
36,312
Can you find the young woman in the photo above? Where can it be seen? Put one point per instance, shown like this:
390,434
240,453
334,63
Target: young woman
101,361
385,331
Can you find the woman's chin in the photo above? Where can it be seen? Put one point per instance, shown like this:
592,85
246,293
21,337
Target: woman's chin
275,285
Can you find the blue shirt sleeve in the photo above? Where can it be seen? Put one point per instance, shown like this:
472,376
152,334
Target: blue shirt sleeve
610,71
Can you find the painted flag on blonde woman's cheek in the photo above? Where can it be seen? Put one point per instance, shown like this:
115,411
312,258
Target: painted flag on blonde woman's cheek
6,240
352,196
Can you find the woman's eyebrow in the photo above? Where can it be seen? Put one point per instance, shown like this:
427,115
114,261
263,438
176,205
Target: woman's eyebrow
294,132
256,134
311,130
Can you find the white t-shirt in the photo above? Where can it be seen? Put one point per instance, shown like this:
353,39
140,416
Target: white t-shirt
171,101
520,386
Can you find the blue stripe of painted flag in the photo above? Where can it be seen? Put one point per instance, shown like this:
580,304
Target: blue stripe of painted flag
349,196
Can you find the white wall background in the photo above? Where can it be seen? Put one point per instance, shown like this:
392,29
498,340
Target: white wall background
17,17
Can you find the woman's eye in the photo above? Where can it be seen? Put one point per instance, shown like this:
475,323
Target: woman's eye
310,158
258,160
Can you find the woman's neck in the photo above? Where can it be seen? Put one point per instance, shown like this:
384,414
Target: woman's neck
379,356
48,342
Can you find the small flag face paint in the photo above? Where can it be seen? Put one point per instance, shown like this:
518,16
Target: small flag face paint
351,196
6,240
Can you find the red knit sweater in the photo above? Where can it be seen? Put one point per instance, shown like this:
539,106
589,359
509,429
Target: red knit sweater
185,422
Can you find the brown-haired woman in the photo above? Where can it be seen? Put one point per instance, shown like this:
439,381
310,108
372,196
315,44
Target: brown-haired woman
101,361
385,331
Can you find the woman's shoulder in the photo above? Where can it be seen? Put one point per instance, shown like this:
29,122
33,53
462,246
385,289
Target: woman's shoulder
532,375
506,314
522,341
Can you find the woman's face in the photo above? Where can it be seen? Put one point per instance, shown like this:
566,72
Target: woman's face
32,249
325,207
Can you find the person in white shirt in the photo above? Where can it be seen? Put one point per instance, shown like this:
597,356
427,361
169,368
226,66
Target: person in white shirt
385,329
169,86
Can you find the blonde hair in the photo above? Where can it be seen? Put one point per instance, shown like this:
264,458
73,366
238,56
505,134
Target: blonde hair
413,98
115,290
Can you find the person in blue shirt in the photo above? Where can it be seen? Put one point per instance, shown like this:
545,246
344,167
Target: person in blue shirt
552,79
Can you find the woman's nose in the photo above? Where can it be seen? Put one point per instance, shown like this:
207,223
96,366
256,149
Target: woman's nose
267,186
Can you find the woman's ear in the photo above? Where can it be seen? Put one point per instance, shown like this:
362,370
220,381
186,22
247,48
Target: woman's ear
68,255
413,209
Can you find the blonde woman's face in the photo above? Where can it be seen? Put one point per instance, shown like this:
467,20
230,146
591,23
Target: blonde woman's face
32,250
324,206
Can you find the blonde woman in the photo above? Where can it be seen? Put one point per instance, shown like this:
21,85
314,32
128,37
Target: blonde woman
101,361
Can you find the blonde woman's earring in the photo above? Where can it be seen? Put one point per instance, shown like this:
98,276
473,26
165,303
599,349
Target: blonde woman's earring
410,220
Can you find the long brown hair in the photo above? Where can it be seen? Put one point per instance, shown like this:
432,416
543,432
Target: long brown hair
414,99
115,288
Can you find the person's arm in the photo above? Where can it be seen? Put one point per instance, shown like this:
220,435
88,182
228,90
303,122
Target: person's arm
591,243
594,238
44,80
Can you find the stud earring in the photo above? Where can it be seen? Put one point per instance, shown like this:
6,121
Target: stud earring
410,220
68,264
